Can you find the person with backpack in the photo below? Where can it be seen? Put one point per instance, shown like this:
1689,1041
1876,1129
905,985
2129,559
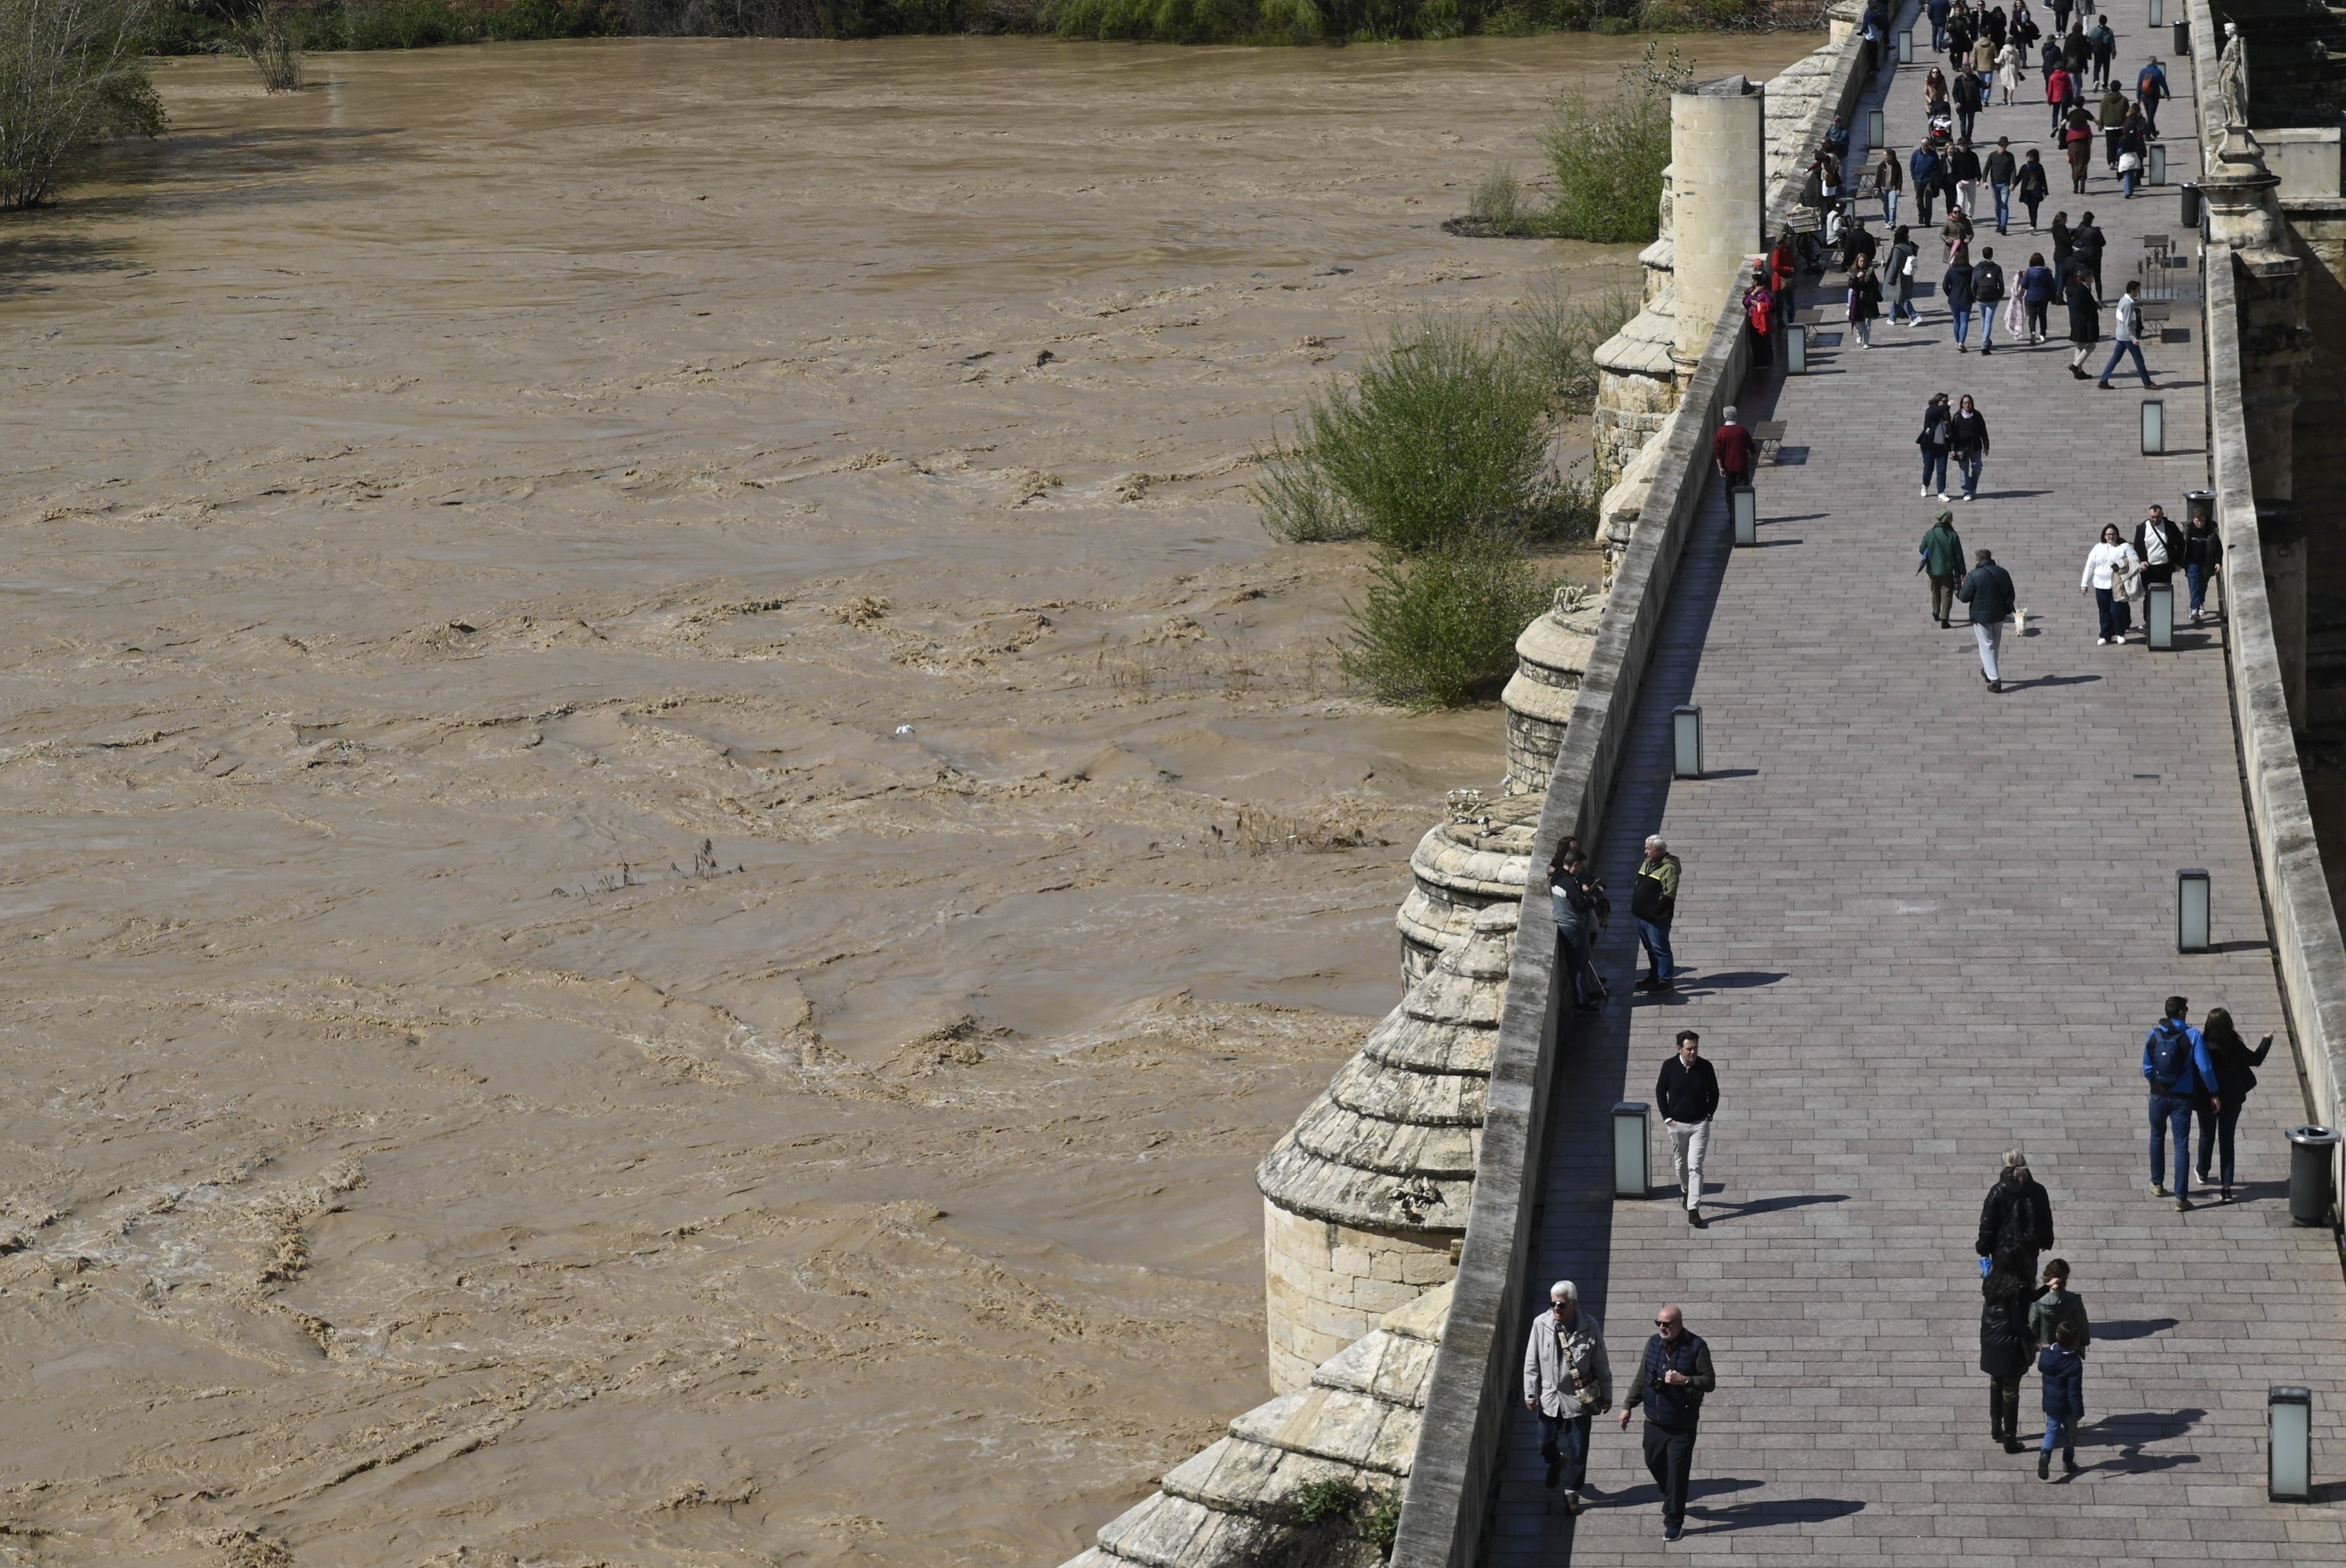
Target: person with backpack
1932,440
2177,1066
1989,591
1899,268
2061,1372
2150,90
1567,1383
1943,562
1653,901
2016,1220
2103,44
1936,10
1987,293
2235,1075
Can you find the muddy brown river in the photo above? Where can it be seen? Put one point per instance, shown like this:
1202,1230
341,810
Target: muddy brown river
670,838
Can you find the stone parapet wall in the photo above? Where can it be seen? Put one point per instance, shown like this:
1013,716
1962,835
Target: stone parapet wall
1329,1284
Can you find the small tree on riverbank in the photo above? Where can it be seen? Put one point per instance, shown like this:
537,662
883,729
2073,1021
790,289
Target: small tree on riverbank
261,34
72,78
1608,154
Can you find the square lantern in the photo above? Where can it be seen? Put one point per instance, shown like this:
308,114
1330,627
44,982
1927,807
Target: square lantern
1631,1179
1686,742
1743,502
2288,1418
2154,426
1796,349
2194,911
2159,612
1906,47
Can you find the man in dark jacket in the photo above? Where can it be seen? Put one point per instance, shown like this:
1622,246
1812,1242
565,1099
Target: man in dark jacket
2086,244
2176,1064
1924,166
1653,899
1673,1376
1687,1094
1990,594
1988,294
1578,900
2158,545
1956,286
2002,169
2016,1220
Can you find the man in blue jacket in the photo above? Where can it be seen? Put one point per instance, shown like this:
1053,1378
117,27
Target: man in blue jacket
2177,1066
1672,1377
1925,168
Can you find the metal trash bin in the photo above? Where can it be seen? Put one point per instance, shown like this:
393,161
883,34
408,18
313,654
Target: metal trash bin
2311,1150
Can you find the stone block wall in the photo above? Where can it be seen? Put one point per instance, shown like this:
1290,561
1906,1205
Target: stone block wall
1328,1284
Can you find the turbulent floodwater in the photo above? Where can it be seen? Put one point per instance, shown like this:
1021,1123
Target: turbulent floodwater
438,505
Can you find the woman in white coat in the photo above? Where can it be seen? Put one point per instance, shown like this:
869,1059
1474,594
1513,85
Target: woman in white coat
2110,566
2007,71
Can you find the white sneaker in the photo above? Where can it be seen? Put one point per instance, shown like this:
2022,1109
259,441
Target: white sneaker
1926,493
2101,642
1942,495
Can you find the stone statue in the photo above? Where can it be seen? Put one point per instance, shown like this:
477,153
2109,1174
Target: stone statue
2233,76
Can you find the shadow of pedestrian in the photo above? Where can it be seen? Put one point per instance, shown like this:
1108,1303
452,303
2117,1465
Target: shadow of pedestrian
2130,1434
1646,1494
1732,980
2133,1328
1761,1515
1777,1205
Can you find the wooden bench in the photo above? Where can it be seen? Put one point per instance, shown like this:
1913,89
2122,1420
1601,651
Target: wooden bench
1770,434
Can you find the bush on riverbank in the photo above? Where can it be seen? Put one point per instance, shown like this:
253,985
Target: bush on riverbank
72,78
1439,631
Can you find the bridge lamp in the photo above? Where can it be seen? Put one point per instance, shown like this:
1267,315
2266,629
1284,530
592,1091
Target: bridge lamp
2159,610
2154,426
2288,1418
1796,348
1686,742
2194,910
1631,1177
1906,47
1745,504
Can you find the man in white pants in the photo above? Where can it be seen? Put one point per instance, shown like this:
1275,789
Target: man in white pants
1687,1094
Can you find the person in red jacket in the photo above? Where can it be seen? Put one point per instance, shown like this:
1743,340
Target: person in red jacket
1760,310
1733,450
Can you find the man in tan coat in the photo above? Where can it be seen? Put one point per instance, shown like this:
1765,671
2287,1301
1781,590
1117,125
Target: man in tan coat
1568,1382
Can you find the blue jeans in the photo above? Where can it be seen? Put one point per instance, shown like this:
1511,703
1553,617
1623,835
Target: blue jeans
1902,307
1986,309
2216,1129
2171,1113
2126,179
2119,351
1889,208
1934,460
2113,611
1963,315
2058,1427
2196,575
1968,464
1571,957
1655,936
1565,1438
2003,206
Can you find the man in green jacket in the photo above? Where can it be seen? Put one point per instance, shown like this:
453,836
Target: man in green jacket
1943,562
1654,900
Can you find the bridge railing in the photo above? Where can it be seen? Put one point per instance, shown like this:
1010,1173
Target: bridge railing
2307,949
1477,1374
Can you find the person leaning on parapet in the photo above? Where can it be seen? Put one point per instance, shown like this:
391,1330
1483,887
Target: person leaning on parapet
1578,901
1943,562
2236,1076
1687,1091
1653,899
1732,450
2016,1218
2177,1066
1990,592
1673,1376
1569,1383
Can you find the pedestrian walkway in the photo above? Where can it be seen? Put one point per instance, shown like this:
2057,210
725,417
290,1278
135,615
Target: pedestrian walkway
1927,925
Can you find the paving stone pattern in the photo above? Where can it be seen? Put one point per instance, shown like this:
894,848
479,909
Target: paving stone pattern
1925,924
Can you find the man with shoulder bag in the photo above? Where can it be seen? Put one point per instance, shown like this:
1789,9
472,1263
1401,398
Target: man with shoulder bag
1653,899
2158,545
1567,1383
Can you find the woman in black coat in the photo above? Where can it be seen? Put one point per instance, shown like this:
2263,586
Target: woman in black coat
2235,1075
2085,320
2006,1348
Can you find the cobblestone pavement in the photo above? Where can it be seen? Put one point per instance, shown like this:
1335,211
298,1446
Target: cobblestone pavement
1925,924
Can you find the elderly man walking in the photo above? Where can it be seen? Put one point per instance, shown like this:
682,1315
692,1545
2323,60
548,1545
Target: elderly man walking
1673,1376
1653,899
1568,1383
1733,450
1990,594
1688,1091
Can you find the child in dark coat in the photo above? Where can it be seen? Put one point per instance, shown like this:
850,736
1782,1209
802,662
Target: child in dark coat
2062,1372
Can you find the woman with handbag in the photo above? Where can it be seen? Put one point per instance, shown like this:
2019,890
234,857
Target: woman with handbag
1900,268
2235,1075
1932,440
1864,303
1967,439
2109,566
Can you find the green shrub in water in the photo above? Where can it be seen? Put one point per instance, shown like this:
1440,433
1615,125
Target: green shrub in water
73,76
1608,154
1439,631
1557,335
